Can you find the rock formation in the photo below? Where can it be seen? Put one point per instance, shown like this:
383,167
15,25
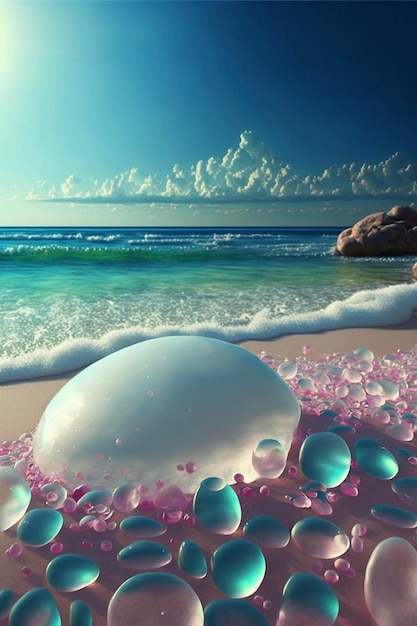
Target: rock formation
381,234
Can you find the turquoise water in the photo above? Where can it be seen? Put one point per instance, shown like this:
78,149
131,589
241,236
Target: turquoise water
69,296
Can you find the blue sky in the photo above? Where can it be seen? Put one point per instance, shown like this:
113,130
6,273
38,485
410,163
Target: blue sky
205,112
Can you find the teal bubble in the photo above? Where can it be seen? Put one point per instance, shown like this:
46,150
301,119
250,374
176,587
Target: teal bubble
325,457
394,515
238,568
269,458
39,526
164,599
267,532
406,488
228,612
15,497
320,538
71,572
307,599
144,554
217,507
37,606
80,614
191,560
142,526
341,429
6,601
375,459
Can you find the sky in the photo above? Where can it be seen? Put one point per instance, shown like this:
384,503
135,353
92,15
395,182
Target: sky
206,112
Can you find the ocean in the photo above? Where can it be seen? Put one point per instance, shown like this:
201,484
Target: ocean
69,296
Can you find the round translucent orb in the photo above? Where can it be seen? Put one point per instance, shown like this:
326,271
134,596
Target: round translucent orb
140,412
15,497
325,457
390,583
156,598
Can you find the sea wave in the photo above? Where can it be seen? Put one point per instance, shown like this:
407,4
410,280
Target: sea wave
391,305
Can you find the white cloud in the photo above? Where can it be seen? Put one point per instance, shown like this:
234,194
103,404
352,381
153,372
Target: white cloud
248,173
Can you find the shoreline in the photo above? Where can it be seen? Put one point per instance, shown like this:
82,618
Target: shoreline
22,402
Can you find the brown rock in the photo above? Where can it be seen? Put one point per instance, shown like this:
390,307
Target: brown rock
381,234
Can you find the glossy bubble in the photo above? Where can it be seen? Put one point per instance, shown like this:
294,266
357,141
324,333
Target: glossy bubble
394,515
71,572
406,488
325,457
307,600
126,498
287,370
37,606
55,495
217,507
269,458
144,554
375,459
80,614
163,598
191,559
267,532
390,583
320,538
39,526
238,568
400,432
15,497
231,612
142,526
224,398
170,497
94,499
6,602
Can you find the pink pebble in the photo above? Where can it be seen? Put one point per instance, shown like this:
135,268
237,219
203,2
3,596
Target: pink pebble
190,520
258,600
239,478
26,572
87,544
317,567
100,525
350,573
342,564
331,576
267,605
57,547
357,544
70,506
349,490
180,468
190,467
264,490
106,546
174,542
292,471
14,550
358,530
248,492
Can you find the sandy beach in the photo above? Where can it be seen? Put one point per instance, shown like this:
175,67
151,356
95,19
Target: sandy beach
22,405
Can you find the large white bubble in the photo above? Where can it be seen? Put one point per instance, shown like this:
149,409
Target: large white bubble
177,409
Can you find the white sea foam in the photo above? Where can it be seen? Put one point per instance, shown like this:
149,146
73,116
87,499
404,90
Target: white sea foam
369,308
